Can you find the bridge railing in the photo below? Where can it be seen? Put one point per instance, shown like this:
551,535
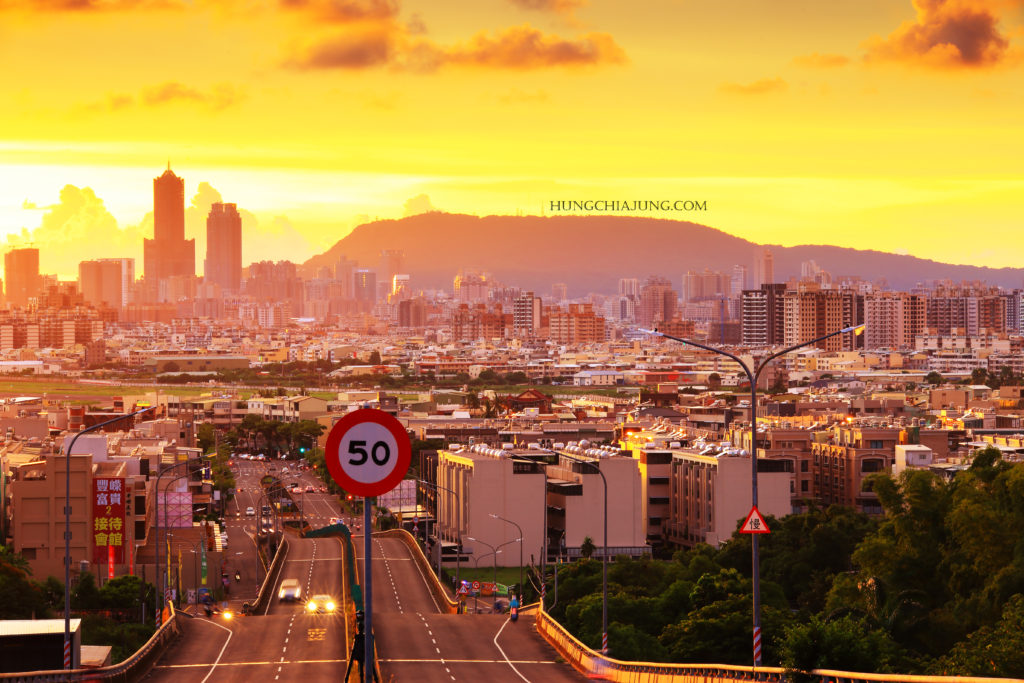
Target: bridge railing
266,593
132,669
595,665
435,585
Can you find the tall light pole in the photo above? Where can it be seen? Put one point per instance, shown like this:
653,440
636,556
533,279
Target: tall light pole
476,597
604,550
753,376
509,521
67,527
160,588
458,531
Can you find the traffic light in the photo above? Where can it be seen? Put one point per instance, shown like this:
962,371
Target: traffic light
302,449
348,497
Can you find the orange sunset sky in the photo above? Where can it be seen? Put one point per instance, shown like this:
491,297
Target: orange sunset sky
884,124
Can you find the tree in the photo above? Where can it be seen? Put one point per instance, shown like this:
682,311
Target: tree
979,376
933,378
20,597
206,437
844,644
587,548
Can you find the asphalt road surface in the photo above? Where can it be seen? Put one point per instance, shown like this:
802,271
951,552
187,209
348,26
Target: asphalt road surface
286,642
416,642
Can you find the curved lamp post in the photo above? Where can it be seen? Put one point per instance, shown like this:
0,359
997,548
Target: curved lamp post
67,526
458,531
520,539
752,376
604,550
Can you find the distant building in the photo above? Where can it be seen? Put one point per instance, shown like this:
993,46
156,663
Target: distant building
223,264
364,285
107,282
21,272
763,316
658,302
168,254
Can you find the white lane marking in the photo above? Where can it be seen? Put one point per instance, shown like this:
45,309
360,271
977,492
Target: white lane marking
230,633
506,623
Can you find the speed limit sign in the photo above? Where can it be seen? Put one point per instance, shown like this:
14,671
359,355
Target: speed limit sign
368,452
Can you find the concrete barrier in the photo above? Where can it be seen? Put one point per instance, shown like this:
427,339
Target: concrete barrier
265,595
132,669
595,665
436,587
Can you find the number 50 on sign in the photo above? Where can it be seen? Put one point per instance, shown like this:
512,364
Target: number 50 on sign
368,452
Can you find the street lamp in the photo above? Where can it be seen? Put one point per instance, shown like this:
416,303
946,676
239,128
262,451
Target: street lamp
753,376
160,583
67,527
476,596
604,551
458,531
520,539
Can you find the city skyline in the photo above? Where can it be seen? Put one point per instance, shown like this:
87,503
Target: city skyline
855,124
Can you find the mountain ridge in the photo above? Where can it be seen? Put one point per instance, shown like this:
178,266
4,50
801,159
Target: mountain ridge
591,253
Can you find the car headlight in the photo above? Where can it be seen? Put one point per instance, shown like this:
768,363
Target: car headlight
310,606
329,606
281,595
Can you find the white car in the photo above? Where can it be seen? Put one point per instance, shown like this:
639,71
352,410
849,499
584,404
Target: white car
290,590
250,511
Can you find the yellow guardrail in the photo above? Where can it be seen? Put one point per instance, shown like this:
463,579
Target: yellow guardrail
595,665
436,587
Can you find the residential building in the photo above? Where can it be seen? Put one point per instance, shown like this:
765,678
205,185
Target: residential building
223,265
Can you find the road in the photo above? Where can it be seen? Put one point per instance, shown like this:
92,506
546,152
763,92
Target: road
416,642
286,642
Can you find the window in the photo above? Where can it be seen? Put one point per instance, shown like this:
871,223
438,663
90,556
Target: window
804,465
876,443
803,486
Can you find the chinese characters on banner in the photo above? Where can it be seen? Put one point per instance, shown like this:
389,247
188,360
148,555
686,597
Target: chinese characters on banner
108,522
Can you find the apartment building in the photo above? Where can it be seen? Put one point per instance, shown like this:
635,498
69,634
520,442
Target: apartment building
486,481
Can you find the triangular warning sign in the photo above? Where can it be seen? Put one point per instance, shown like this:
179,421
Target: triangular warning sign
755,523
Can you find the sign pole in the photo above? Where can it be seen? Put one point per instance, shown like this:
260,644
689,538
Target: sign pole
367,592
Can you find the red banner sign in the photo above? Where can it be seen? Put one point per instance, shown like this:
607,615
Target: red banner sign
108,520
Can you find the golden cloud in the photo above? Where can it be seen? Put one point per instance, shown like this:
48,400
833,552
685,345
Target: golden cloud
566,7
346,10
220,97
947,34
518,47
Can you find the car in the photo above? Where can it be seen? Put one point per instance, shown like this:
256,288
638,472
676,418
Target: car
334,520
321,604
250,511
290,590
224,540
310,489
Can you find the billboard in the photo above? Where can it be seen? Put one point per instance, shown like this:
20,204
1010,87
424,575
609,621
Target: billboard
108,520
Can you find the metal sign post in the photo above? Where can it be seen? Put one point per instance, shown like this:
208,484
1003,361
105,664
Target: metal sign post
368,453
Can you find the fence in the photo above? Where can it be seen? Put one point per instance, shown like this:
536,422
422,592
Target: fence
595,665
132,669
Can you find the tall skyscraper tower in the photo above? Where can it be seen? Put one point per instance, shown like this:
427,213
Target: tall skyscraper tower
364,285
168,254
766,268
21,273
107,281
223,264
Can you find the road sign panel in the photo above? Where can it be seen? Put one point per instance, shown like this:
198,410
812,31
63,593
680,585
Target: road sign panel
755,523
368,452
476,585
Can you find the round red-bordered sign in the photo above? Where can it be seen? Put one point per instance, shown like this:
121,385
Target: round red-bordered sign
368,452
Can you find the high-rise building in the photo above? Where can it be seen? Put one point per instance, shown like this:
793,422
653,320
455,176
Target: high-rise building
893,319
168,254
107,281
526,315
392,262
658,302
343,273
364,285
629,286
703,286
765,267
811,314
738,282
21,273
763,313
223,264
970,311
559,292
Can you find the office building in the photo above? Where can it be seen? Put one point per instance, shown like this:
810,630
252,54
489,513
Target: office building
21,273
107,282
168,254
223,264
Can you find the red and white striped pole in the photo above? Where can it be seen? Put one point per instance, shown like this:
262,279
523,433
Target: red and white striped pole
604,643
757,645
67,654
